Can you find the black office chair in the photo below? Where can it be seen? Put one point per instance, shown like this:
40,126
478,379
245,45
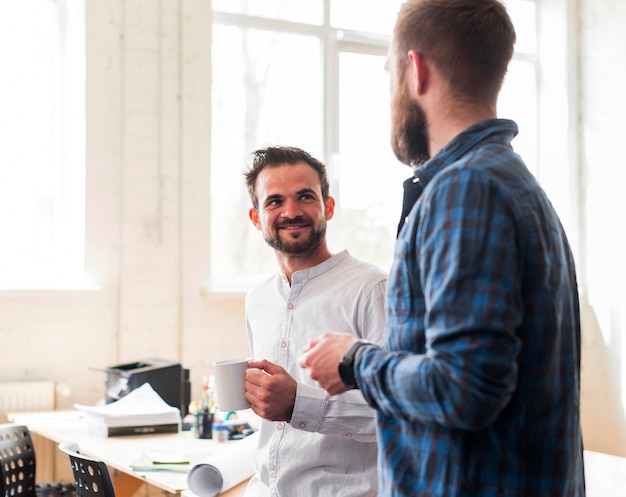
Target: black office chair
18,467
92,478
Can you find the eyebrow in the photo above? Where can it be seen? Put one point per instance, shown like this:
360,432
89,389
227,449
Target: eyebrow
272,197
307,190
278,196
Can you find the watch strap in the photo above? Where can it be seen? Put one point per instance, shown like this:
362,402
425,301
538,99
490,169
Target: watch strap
346,364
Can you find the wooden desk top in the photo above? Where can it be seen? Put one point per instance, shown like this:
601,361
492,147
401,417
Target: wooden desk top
121,452
605,474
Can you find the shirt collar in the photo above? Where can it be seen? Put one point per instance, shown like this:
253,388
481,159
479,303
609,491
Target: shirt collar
454,150
468,139
321,268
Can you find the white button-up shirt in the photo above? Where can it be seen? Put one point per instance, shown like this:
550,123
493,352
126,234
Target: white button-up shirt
329,446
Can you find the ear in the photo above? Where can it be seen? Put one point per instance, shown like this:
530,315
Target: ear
330,208
254,217
418,73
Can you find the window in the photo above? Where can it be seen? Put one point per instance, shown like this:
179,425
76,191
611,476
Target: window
310,74
42,130
518,98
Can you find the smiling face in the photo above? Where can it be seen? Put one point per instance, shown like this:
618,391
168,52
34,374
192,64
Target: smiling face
292,213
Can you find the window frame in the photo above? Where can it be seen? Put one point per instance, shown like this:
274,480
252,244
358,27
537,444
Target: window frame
333,42
555,67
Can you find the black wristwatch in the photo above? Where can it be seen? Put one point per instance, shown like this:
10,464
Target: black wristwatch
346,365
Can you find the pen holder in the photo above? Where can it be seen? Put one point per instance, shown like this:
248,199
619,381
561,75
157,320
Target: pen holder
204,424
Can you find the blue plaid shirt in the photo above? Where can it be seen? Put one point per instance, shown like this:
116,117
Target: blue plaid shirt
478,384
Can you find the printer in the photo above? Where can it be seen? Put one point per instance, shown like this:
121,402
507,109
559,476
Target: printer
169,379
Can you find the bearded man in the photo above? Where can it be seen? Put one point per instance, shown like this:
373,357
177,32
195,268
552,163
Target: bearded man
310,444
477,385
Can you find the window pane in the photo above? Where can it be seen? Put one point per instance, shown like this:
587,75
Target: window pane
371,16
41,192
518,101
523,14
266,91
306,11
369,193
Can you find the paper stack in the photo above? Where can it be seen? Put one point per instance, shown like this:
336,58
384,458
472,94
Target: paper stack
142,411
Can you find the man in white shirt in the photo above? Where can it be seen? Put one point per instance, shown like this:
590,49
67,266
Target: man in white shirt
310,444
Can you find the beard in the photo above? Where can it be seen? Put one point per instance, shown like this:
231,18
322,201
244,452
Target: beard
409,134
298,245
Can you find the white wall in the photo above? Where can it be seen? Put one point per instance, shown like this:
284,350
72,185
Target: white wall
148,129
601,135
147,242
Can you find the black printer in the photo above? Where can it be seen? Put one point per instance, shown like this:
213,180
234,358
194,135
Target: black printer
169,379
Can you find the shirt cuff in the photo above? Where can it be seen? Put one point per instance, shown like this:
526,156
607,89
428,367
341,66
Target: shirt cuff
309,407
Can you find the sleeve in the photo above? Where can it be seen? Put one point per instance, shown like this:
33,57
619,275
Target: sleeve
467,277
346,414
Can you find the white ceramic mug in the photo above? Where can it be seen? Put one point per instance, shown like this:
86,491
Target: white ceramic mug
229,377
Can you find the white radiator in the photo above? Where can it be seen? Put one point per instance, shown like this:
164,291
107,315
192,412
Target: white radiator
25,396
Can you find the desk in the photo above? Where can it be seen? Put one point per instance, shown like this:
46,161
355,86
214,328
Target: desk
120,452
605,475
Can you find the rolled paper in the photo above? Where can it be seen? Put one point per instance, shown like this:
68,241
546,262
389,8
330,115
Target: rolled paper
229,466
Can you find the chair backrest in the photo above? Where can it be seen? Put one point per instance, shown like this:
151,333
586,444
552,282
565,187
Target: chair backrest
92,477
17,457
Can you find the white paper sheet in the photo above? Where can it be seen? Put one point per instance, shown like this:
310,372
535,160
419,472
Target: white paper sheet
142,406
221,471
142,400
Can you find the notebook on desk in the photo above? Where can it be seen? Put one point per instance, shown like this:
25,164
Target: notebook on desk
167,461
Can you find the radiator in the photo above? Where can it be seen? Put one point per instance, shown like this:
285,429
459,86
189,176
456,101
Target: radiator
25,396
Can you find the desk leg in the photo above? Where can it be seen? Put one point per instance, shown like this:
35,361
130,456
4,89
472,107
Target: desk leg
125,485
45,455
52,464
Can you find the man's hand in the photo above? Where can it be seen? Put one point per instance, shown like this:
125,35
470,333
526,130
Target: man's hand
322,358
270,390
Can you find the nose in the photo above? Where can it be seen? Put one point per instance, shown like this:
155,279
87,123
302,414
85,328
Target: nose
291,209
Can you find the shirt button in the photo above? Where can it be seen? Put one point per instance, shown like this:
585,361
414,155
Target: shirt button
283,345
272,467
302,424
290,306
279,426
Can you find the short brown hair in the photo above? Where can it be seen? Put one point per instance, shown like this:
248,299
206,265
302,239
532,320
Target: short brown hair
469,41
278,156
